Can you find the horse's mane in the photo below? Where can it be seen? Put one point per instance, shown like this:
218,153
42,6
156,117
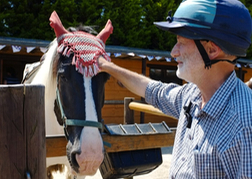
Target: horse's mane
45,70
88,29
55,59
51,57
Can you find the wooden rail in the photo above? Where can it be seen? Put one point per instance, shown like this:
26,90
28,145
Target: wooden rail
147,109
56,145
126,143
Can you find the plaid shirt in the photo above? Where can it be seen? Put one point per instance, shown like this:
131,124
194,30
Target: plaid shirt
219,142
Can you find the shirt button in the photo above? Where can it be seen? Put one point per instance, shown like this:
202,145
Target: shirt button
190,137
183,158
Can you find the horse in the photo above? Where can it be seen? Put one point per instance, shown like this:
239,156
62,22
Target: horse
72,100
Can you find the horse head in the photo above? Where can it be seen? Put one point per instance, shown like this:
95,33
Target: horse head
80,95
78,109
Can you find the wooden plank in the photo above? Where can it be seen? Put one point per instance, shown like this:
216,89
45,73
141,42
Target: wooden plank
34,118
138,142
56,146
119,94
133,65
12,133
148,109
113,110
22,132
1,71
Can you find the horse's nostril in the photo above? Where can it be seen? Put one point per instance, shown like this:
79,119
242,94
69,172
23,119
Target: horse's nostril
73,162
73,158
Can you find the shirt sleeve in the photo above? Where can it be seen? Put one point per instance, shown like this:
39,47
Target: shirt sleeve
166,97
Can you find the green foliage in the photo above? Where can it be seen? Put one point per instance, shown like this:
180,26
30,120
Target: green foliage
248,4
158,11
126,19
132,19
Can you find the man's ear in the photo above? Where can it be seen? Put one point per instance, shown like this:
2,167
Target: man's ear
213,50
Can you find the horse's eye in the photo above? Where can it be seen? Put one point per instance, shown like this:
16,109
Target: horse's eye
63,78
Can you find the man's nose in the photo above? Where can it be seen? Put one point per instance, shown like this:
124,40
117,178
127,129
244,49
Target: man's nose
175,51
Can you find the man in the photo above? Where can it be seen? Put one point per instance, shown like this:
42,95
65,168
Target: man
214,132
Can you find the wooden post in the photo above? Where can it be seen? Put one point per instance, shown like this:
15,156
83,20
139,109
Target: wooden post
142,114
22,132
1,71
128,113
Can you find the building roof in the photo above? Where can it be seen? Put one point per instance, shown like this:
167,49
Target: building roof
32,46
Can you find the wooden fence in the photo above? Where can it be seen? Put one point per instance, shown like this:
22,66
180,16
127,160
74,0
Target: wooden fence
56,145
22,132
24,147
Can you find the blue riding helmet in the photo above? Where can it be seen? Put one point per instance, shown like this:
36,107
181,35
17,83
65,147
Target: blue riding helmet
225,22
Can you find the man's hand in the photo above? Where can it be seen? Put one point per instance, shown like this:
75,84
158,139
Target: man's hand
102,63
133,81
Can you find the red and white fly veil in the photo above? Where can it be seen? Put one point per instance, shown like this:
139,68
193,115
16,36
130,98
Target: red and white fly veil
85,47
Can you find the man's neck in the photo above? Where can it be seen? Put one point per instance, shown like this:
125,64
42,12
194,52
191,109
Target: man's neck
213,80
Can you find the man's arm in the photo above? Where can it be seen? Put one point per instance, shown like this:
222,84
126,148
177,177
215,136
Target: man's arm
133,81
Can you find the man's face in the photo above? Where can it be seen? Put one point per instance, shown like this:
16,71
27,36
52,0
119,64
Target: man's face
190,63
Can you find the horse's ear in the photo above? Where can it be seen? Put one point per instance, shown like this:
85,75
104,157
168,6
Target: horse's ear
57,112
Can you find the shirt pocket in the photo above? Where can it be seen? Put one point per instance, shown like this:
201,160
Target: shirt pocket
207,165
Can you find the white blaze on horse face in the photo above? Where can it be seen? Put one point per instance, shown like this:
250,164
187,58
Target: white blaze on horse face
91,142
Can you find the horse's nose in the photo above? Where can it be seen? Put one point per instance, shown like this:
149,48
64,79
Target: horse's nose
72,159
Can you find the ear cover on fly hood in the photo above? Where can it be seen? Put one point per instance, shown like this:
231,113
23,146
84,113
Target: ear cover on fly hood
225,22
86,48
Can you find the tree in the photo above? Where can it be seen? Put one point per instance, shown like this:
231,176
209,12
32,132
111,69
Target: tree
132,19
18,17
158,11
126,18
4,14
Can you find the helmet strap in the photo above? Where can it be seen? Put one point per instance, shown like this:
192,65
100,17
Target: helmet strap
205,57
222,60
203,54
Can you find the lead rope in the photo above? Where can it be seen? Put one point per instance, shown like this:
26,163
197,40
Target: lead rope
28,175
